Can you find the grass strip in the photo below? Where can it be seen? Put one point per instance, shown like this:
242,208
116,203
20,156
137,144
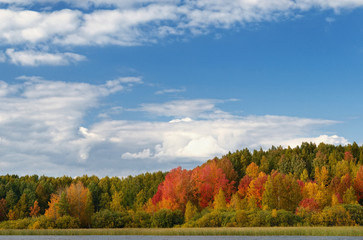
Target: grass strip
252,231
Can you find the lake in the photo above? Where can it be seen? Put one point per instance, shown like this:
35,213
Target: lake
103,237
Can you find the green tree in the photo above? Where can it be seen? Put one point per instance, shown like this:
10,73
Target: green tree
117,199
11,199
63,205
140,200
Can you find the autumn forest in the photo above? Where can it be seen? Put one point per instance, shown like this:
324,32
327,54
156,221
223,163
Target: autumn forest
309,185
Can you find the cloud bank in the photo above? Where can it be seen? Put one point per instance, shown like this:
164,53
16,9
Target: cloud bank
25,28
43,130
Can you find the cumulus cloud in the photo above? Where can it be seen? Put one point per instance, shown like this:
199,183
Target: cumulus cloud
40,121
44,130
34,58
197,140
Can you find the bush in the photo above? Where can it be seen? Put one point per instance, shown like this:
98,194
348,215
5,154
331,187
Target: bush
242,219
355,212
265,218
285,218
166,218
43,222
260,219
108,219
332,216
67,222
141,219
216,218
17,224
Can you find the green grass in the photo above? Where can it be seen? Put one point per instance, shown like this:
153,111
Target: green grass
256,231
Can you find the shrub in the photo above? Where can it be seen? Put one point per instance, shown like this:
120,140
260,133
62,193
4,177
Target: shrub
108,219
260,218
242,219
43,222
67,222
166,218
285,218
332,216
17,224
216,218
141,219
355,212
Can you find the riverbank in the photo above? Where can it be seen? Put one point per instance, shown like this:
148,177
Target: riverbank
253,231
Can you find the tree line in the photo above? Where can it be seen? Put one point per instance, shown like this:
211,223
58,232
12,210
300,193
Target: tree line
306,185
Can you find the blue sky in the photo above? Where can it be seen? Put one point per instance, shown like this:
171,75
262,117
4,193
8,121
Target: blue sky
111,87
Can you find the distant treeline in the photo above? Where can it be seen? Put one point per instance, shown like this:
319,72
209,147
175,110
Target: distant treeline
306,185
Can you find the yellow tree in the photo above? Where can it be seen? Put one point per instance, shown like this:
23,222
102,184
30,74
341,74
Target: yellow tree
310,190
236,202
190,211
220,200
304,175
322,176
115,204
53,211
349,196
80,202
252,170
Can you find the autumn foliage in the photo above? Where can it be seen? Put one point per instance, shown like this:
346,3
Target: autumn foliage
198,186
305,185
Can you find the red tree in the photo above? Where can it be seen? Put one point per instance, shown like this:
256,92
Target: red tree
208,179
176,190
243,186
358,183
309,204
34,210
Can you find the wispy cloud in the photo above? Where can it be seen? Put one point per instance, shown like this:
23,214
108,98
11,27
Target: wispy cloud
170,90
181,108
34,58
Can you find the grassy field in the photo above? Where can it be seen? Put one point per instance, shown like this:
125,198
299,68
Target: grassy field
263,231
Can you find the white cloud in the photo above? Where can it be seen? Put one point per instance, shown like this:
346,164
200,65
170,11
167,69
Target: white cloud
170,90
130,80
129,23
40,121
198,140
182,108
34,58
28,26
334,139
187,119
44,130
140,155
